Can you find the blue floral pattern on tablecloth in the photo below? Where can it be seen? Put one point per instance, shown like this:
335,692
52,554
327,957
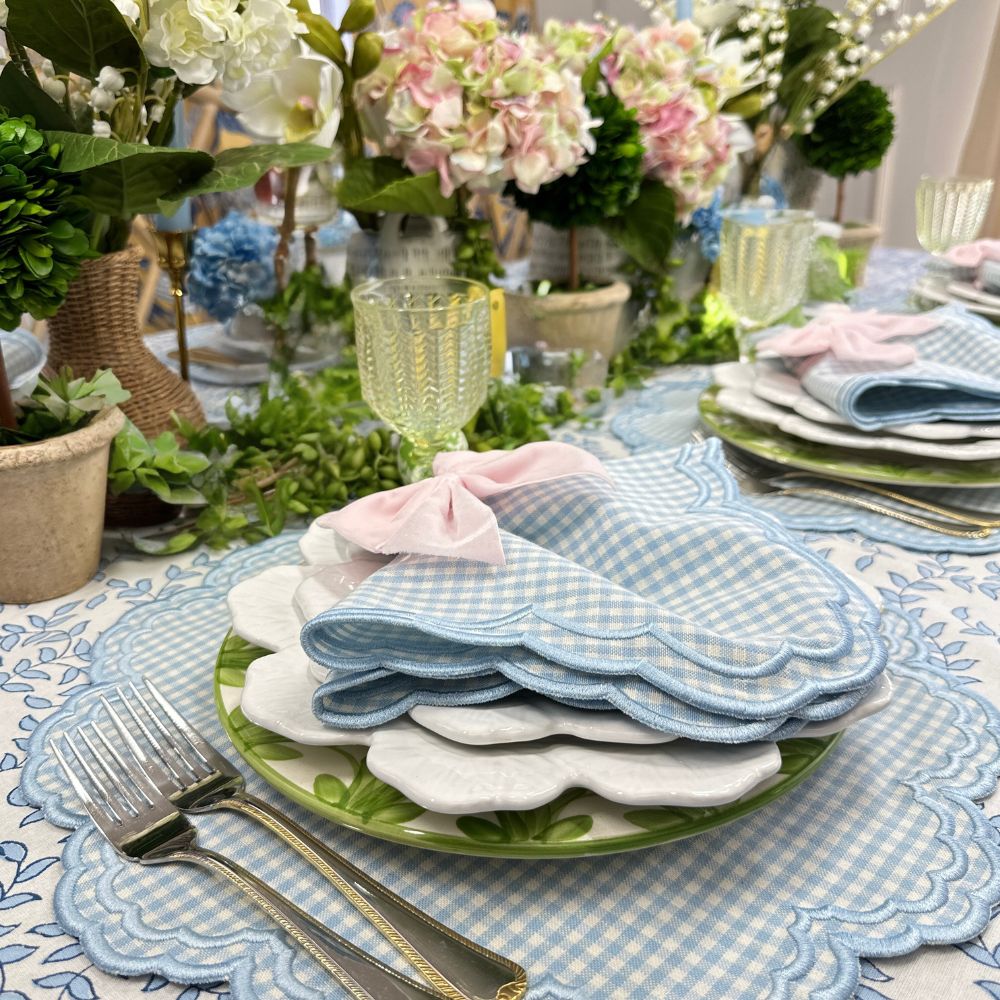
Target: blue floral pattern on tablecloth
46,658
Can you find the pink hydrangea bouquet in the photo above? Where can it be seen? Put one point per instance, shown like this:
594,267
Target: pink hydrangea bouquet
456,96
661,73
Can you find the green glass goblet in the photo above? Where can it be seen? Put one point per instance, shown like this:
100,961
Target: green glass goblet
424,350
763,266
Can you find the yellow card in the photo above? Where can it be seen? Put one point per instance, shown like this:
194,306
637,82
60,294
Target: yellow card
498,317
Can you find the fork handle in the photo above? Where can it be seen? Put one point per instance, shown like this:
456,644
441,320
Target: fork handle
459,969
963,517
364,977
876,508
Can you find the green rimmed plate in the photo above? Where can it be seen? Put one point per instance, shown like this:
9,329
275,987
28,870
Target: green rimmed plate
775,446
334,782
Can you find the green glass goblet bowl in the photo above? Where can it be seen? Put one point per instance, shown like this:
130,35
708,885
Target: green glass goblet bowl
424,350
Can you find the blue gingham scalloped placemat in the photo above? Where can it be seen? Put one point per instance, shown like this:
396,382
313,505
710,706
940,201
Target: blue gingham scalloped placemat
882,851
666,414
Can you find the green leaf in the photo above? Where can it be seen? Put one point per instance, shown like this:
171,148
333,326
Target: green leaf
570,828
382,184
276,751
231,678
125,179
482,830
398,812
368,48
645,230
330,789
592,74
82,36
19,93
236,169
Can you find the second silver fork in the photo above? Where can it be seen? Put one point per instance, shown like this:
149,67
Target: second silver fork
202,780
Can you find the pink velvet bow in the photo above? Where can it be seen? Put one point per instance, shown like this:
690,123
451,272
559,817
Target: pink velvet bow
851,336
973,254
445,515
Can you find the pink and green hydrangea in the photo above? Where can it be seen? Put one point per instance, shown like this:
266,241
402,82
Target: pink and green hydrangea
457,96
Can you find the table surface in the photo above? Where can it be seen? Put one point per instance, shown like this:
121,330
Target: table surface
45,653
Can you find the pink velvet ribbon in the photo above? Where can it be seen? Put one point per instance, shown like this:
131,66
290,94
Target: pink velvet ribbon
973,254
445,515
851,336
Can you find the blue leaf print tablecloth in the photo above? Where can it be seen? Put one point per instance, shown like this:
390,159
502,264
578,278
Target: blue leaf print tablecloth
948,605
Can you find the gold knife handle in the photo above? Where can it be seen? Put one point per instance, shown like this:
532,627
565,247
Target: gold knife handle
459,969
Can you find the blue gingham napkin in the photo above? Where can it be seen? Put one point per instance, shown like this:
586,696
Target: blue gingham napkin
956,377
662,595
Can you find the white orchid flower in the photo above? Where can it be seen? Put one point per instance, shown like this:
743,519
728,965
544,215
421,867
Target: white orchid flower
300,103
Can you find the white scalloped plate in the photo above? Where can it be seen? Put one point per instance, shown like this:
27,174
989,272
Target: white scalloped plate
775,385
742,402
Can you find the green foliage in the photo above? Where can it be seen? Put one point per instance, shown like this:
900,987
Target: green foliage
700,332
853,134
310,299
41,239
646,229
24,94
63,404
81,36
811,36
605,185
382,184
156,464
475,252
829,275
312,449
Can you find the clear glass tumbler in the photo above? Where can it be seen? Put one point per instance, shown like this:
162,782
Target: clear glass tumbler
951,210
764,265
424,350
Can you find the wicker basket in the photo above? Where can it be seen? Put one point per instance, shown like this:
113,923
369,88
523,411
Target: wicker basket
98,327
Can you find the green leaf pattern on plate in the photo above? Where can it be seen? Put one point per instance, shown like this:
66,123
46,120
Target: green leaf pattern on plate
366,796
542,825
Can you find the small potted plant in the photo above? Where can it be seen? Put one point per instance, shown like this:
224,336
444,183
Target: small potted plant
583,314
849,138
54,449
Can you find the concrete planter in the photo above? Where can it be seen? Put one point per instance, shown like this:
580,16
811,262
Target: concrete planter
569,321
52,511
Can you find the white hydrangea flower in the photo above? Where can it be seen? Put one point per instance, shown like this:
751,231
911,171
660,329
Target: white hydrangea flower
127,8
206,40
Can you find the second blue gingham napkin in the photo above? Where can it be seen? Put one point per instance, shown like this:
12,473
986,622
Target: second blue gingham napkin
955,377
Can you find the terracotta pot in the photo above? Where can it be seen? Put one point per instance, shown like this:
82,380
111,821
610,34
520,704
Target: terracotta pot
52,511
98,327
570,321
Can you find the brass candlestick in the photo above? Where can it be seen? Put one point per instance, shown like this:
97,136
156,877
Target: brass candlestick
173,250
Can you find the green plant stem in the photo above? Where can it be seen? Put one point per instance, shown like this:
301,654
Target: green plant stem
159,134
7,418
19,56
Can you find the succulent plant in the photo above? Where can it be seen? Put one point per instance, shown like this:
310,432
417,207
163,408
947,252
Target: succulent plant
41,239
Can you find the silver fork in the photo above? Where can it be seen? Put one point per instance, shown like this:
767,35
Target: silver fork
754,478
198,779
144,826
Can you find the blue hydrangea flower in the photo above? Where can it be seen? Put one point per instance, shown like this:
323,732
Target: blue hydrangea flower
232,264
707,220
